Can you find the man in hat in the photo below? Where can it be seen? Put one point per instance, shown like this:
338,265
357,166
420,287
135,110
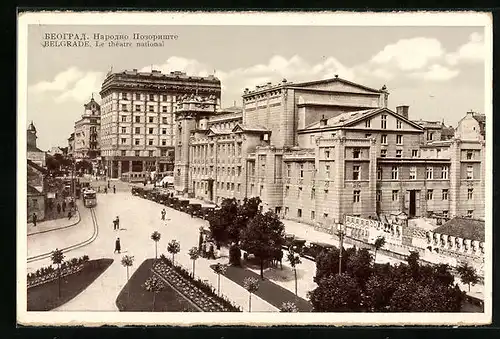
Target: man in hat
117,246
163,213
117,223
114,188
35,218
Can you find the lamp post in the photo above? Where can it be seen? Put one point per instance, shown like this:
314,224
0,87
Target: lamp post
340,233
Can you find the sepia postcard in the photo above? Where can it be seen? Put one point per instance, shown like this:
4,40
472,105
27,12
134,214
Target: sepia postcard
261,168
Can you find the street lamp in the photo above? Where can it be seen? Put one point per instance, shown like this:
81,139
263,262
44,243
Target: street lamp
340,233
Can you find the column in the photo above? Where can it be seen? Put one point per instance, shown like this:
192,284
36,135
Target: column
130,166
119,169
111,168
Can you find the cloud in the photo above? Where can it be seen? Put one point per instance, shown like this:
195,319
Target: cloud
410,54
82,89
436,73
472,51
60,82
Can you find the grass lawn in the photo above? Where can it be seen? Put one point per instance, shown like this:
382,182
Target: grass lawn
141,300
269,291
45,297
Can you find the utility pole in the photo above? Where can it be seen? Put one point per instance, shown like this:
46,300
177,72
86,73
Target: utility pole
341,244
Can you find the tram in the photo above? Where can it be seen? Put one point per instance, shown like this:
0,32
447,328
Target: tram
89,198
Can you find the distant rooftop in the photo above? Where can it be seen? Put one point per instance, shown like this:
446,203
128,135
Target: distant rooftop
462,227
159,74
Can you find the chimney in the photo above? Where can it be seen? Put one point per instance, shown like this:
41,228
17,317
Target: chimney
402,110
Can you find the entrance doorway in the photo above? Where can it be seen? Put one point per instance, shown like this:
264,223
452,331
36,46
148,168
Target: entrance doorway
412,204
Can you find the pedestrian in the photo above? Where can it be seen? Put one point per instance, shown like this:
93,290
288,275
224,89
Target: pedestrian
163,213
105,190
114,224
71,203
118,246
64,206
69,215
98,189
58,208
35,218
109,184
114,188
117,223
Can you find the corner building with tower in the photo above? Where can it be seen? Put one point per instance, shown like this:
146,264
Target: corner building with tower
138,128
318,151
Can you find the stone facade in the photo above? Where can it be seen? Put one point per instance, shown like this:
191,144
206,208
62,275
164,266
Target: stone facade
318,151
33,152
85,143
138,129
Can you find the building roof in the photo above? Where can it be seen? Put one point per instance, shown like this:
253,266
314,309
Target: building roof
481,119
429,124
90,103
33,191
36,166
31,127
465,228
337,79
250,128
232,109
447,132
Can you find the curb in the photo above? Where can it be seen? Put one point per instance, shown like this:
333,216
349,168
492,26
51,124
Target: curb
59,228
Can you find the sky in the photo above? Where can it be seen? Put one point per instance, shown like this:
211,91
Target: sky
437,71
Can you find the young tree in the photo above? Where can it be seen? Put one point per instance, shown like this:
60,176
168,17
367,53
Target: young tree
251,284
155,285
219,269
173,248
289,307
194,254
467,274
127,261
57,258
294,259
379,243
156,236
263,236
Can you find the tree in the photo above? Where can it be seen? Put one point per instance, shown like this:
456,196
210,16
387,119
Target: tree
327,262
127,261
294,259
263,236
52,163
379,243
336,293
155,285
467,274
221,219
245,212
219,269
413,264
359,265
173,247
156,236
194,254
289,307
57,258
251,284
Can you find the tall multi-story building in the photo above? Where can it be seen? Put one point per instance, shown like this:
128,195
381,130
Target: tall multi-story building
33,152
138,129
71,144
87,132
318,151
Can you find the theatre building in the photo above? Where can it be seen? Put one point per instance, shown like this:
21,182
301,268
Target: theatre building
318,151
138,129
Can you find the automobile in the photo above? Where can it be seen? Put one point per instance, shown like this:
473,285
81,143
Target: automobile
194,209
315,248
183,205
172,202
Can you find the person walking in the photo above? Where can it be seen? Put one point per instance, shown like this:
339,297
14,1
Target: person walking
35,218
114,188
114,224
163,213
109,184
117,223
118,246
105,190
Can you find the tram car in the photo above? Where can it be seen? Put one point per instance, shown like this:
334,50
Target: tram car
89,198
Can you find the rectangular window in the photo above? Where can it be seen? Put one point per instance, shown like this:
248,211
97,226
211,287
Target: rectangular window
413,173
470,173
124,153
164,110
327,154
232,186
313,193
395,173
151,153
399,153
445,194
399,139
137,108
137,153
163,152
136,141
238,187
151,108
137,119
151,97
150,142
383,139
395,195
368,135
299,213
356,195
383,121
430,194
355,153
151,119
368,123
327,171
124,118
470,213
124,108
124,141
299,192
355,173
470,193
313,215
163,142
429,171
137,130
286,210
445,214
444,172
150,131
301,170
379,173
137,96
124,130
399,124
430,135
287,191
163,97
414,153
163,131
379,196
125,96
470,155
164,120
438,153
383,153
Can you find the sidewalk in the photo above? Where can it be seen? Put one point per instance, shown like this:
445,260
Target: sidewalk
55,224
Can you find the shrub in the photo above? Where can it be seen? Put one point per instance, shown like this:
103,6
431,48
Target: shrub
235,255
